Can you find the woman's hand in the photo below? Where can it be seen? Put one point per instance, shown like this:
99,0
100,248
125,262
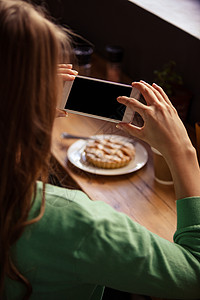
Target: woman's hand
164,130
65,73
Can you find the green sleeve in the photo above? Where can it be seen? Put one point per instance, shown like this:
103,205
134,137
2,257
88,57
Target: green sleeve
188,225
122,254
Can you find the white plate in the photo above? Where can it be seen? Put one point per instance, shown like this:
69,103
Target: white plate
76,156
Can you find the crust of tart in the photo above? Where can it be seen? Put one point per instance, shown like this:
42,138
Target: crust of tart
109,153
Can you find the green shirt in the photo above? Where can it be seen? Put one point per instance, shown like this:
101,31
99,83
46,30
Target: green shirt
80,245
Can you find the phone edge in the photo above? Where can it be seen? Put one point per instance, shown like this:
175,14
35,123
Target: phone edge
91,116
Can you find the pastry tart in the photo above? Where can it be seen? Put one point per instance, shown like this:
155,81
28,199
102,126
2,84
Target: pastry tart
109,153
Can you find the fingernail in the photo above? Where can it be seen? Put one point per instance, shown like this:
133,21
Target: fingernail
118,126
142,81
120,97
75,72
154,84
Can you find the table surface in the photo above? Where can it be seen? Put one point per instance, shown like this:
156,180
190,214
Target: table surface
136,194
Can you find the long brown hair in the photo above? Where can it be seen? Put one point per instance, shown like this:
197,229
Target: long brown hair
30,47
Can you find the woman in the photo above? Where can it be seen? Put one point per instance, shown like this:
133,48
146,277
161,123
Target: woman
57,243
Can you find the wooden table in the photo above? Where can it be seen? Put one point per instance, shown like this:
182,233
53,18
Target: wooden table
137,194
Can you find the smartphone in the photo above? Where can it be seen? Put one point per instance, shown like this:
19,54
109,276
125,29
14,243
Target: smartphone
96,98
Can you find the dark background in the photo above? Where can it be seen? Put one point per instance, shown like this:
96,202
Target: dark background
148,41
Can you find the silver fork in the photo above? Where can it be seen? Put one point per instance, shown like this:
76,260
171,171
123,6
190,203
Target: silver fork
66,135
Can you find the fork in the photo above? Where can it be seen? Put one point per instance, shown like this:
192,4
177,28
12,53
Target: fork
66,135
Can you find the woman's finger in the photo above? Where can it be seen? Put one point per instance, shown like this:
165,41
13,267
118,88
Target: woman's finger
132,130
158,95
67,71
67,77
61,113
68,66
134,104
67,74
146,91
160,90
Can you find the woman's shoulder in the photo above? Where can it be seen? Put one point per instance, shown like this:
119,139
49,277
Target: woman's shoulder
55,195
68,215
69,205
61,201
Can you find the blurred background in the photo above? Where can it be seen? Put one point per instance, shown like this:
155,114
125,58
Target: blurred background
160,44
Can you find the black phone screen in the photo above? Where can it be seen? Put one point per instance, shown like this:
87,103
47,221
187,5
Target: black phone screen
96,97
